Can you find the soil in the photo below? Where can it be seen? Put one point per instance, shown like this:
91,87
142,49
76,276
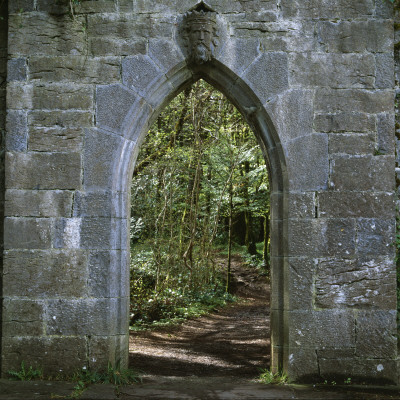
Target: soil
234,341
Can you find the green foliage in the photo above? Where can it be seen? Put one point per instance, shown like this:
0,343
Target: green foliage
26,374
267,377
173,302
199,168
112,375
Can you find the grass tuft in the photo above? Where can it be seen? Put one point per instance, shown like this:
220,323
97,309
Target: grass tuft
269,378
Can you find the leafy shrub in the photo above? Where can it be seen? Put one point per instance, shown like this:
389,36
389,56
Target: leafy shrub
161,298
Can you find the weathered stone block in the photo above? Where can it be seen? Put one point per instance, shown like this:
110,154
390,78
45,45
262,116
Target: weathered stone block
57,139
38,203
327,8
63,97
376,236
39,33
96,233
165,54
95,6
302,205
67,233
378,370
27,233
344,122
366,173
376,334
384,71
17,131
356,100
164,6
16,6
300,239
45,273
107,269
22,318
16,69
300,37
58,35
262,16
373,35
300,278
355,283
60,118
100,204
55,7
43,171
303,364
19,96
268,75
98,164
308,162
87,317
108,349
321,329
332,70
386,130
384,9
322,237
109,46
292,113
140,73
75,68
61,354
113,105
130,26
356,204
352,144
237,54
335,237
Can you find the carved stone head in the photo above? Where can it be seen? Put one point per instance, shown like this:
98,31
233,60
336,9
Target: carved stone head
200,34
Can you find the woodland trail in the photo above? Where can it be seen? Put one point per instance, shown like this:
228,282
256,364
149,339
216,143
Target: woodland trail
231,342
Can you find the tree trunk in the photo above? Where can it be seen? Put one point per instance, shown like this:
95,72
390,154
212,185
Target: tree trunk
249,236
228,269
266,240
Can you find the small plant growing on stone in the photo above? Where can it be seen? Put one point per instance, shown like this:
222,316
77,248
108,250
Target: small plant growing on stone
268,377
113,375
26,374
118,377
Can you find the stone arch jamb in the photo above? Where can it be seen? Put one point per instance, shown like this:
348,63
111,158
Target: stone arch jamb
137,121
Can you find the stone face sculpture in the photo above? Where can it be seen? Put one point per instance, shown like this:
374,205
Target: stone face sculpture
200,35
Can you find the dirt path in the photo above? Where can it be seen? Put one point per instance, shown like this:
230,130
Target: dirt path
231,342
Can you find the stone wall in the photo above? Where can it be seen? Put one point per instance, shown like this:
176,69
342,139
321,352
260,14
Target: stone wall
314,79
3,78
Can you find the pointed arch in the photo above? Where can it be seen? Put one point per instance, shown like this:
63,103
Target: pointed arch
140,117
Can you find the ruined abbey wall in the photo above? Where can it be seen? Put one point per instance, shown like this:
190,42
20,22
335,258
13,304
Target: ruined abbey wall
315,81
